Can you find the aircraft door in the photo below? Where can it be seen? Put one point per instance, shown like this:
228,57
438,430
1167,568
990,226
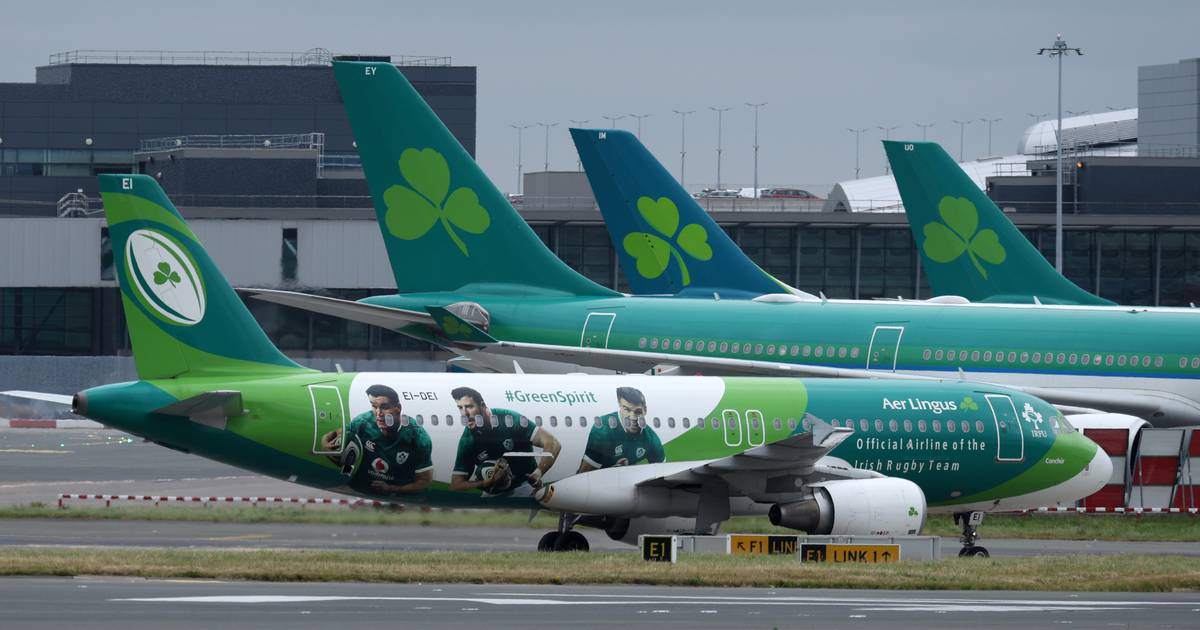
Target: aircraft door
885,347
731,423
756,432
1010,436
328,414
596,329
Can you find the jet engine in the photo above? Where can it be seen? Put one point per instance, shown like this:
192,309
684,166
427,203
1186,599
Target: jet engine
615,492
885,506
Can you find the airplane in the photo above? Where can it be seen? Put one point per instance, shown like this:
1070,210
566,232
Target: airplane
959,231
629,453
493,288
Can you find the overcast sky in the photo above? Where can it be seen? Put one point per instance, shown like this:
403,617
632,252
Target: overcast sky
821,69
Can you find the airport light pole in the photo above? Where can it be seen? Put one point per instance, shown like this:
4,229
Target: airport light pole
639,118
989,122
924,128
1059,50
578,124
1037,118
857,133
683,114
547,127
520,130
1076,113
612,120
887,135
720,111
962,125
756,107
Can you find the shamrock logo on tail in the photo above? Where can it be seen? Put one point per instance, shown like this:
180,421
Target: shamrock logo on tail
653,252
946,241
454,327
412,212
165,274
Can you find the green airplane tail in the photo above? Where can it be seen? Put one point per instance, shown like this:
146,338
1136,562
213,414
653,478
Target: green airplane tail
968,247
445,225
183,317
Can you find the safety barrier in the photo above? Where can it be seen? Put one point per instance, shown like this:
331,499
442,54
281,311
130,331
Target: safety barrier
1188,493
1135,511
1155,469
1114,442
253,501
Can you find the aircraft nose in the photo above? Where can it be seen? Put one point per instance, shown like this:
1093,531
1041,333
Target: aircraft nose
1098,472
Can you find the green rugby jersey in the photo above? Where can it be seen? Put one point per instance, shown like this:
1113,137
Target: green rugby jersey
476,448
396,461
609,444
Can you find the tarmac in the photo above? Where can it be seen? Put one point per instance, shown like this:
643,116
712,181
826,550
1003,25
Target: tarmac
136,603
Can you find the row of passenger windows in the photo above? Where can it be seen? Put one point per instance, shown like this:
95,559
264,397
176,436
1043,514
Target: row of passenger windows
863,425
950,426
747,348
1050,358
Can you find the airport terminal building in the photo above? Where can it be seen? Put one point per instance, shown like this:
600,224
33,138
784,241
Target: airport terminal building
256,151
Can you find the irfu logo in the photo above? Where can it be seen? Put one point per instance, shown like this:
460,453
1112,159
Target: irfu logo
412,212
164,277
653,253
945,242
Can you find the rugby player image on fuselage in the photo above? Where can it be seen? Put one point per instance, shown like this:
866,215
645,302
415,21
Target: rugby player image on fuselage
491,452
383,452
622,438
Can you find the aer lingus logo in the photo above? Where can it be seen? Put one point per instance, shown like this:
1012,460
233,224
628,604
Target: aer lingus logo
164,277
412,212
960,233
653,252
969,404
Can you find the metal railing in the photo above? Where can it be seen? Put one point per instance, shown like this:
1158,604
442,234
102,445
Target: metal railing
235,141
311,57
341,160
77,204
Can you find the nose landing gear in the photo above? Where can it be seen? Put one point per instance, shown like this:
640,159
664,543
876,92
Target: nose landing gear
970,522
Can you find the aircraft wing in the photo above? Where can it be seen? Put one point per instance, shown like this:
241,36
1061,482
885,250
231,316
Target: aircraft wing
382,316
58,399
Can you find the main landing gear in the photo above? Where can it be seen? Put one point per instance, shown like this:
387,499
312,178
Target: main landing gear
565,538
970,535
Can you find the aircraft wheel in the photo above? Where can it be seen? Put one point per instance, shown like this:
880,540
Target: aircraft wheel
973,552
571,541
548,541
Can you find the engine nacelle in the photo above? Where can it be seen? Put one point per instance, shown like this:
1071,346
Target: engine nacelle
627,530
887,506
614,492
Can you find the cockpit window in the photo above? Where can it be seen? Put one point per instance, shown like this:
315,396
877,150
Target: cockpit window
1061,424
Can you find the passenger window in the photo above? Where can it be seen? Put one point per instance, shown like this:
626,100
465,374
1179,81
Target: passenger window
746,348
1037,357
449,421
795,350
670,423
908,426
688,346
508,421
966,426
654,344
567,420
553,421
735,347
537,420
1012,357
937,426
524,422
642,342
893,426
806,423
771,349
987,356
1182,362
979,426
676,344
939,355
951,426
433,419
583,421
921,426
951,356
1121,360
829,351
927,354
712,346
1158,361
807,350
974,355
820,351
841,352
791,424
758,348
1195,363
854,353
420,420
657,424
641,422
1087,359
724,346
1062,358
864,426
778,424
878,425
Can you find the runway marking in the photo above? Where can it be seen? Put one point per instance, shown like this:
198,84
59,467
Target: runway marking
35,451
241,537
1068,603
857,604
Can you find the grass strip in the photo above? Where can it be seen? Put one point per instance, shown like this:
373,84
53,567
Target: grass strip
1149,528
1131,573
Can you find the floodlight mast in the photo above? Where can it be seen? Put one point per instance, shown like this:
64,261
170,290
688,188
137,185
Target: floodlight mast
1059,50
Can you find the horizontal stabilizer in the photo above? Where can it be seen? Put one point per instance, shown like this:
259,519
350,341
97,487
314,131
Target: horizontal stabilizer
59,399
457,329
209,408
